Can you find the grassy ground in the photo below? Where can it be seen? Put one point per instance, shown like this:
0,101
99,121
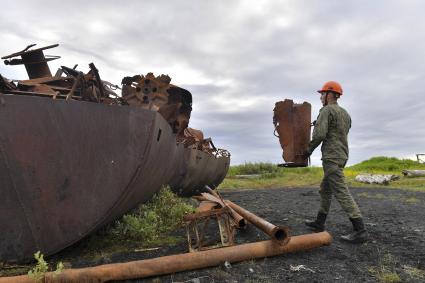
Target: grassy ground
267,175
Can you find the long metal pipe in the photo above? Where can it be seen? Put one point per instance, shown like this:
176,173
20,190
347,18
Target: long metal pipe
181,262
277,233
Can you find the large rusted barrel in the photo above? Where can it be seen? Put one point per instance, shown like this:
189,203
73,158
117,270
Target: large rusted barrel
69,167
293,122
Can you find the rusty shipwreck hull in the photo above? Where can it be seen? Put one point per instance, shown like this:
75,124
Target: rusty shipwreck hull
69,167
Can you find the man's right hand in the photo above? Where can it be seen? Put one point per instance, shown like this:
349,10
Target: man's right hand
306,154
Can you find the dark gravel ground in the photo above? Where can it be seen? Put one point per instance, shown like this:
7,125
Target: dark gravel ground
395,220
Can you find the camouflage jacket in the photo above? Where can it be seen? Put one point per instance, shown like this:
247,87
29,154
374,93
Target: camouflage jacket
331,129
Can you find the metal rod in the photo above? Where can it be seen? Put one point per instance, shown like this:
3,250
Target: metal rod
74,86
275,232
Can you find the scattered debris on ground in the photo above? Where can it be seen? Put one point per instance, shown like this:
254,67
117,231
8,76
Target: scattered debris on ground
376,178
413,173
300,268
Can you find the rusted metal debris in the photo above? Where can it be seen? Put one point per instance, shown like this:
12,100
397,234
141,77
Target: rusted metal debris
182,262
229,216
277,233
195,139
67,83
34,60
413,173
148,92
206,206
172,102
292,124
74,156
156,93
198,223
237,218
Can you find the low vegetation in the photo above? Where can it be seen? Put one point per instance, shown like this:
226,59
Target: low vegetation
149,225
150,221
386,271
268,175
389,270
42,267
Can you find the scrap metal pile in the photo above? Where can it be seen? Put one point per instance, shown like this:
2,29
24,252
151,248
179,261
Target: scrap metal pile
67,83
75,155
172,102
145,91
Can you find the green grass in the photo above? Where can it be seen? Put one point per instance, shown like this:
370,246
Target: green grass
275,178
386,164
272,176
252,168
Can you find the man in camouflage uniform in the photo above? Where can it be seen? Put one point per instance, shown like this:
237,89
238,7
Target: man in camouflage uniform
331,129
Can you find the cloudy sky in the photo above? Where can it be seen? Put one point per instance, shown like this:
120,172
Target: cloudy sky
238,58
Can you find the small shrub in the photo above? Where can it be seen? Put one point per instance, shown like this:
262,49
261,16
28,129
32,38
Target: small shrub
149,221
389,277
253,168
41,267
386,272
414,273
37,273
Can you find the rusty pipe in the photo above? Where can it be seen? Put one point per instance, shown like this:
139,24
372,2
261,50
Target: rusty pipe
239,219
277,233
181,262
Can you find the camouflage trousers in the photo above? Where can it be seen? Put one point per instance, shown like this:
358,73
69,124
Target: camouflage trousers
333,183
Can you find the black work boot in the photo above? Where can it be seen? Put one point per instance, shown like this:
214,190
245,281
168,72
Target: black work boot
319,224
359,235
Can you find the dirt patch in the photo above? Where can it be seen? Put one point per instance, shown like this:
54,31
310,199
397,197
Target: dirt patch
396,249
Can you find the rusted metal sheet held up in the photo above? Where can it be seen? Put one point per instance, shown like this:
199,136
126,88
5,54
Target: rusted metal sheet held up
292,124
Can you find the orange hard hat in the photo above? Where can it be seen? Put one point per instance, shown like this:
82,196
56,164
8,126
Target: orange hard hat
331,86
